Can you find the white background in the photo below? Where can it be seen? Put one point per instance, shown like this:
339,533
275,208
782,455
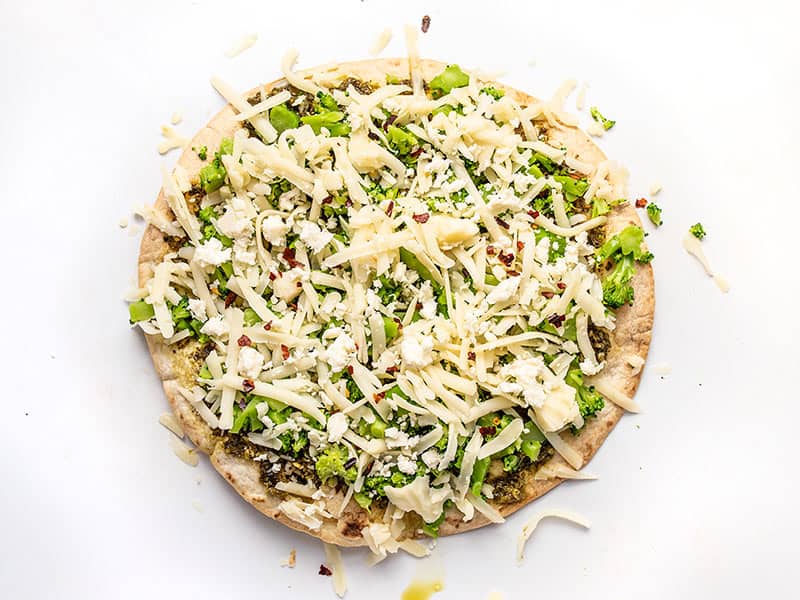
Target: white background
698,495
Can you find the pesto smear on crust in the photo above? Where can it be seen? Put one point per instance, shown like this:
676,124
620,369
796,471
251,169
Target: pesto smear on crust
399,293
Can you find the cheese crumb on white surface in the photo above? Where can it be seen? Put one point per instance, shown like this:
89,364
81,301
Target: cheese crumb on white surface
244,43
380,42
654,189
176,118
172,140
123,222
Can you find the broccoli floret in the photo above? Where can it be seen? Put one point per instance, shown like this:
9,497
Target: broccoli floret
493,92
282,118
202,152
400,140
247,419
627,242
444,82
212,176
332,461
597,116
654,212
697,231
617,289
590,402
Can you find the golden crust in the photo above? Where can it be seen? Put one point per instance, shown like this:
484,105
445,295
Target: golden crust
631,336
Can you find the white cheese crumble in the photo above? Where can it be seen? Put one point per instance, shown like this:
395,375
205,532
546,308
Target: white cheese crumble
215,326
211,253
198,309
315,238
339,354
417,351
251,362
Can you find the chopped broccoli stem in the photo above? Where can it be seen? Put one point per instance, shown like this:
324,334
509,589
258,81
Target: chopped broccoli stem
452,77
251,317
390,328
282,118
597,116
140,311
400,140
479,472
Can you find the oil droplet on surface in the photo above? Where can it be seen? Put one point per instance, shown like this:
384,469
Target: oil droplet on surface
421,590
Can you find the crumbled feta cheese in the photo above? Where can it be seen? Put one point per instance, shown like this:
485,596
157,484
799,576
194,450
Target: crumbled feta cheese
525,373
340,352
198,309
431,458
250,362
504,291
428,310
406,465
215,326
211,253
397,438
417,352
337,426
288,286
314,237
242,252
233,224
274,229
591,367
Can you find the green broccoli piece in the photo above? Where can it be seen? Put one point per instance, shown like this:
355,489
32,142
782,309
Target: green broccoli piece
573,188
282,118
617,288
590,402
627,242
332,461
202,152
452,77
247,418
597,116
325,102
140,311
697,231
654,212
400,140
251,317
493,92
332,121
363,500
212,176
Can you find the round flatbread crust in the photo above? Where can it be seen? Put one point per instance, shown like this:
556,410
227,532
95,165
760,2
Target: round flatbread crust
630,338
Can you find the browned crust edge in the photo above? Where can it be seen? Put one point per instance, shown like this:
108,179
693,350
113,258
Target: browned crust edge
631,336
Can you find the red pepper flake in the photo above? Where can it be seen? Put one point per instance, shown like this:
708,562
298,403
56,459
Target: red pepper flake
512,273
556,320
273,276
389,208
547,294
289,256
575,175
378,396
533,214
327,200
267,325
373,136
392,370
391,119
520,246
348,203
284,351
641,203
426,23
490,250
229,299
350,369
323,570
416,152
299,284
244,341
490,430
561,285
471,355
502,223
248,386
421,218
506,259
